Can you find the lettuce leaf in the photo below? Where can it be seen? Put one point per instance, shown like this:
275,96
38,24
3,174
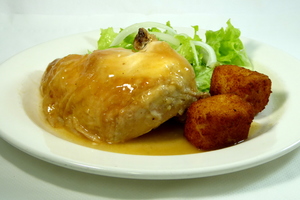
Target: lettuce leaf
228,46
106,38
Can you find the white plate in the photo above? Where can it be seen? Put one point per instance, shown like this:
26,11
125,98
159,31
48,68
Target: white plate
21,126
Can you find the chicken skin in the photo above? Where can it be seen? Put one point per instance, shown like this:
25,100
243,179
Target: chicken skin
117,94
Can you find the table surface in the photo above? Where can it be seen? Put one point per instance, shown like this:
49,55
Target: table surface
25,24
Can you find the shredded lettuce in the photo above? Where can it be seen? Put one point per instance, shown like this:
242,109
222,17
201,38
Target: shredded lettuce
221,47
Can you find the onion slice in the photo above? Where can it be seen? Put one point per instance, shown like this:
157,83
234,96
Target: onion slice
167,38
209,53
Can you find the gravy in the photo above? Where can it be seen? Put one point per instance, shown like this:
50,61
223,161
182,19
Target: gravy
167,139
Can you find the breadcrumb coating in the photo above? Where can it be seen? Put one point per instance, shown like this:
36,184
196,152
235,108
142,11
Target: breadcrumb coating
252,86
218,121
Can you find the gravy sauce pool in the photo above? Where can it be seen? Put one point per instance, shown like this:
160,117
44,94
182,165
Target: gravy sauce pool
167,139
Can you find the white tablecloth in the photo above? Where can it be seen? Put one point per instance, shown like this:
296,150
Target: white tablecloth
24,24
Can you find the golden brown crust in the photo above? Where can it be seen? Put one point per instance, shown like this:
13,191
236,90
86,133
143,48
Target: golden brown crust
252,86
218,121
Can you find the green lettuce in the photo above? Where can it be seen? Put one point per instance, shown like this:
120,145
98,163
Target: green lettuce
106,38
222,47
228,46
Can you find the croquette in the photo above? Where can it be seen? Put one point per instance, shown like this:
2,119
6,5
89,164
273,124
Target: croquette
252,86
218,121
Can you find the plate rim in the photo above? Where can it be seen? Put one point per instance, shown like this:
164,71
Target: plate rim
134,173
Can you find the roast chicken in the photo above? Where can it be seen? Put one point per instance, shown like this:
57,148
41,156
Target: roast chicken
117,94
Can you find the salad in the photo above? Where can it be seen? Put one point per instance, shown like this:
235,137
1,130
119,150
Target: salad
221,47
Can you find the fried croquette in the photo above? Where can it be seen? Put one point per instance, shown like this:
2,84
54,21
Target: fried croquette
252,86
218,121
